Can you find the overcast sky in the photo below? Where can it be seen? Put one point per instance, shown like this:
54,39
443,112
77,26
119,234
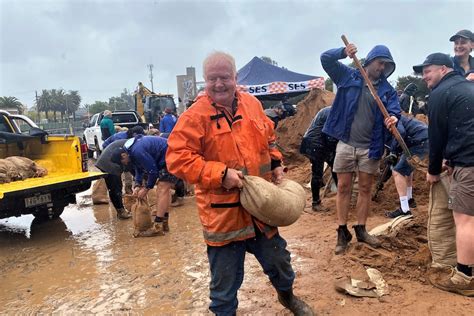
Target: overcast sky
101,47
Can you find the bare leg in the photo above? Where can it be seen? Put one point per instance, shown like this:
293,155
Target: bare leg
363,200
343,198
163,198
400,183
464,238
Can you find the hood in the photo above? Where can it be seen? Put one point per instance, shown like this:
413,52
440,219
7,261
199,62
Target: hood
381,51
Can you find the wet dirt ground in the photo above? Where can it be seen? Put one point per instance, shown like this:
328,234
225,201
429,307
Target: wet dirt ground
88,262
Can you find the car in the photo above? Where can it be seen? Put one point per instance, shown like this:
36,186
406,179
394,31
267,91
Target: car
93,136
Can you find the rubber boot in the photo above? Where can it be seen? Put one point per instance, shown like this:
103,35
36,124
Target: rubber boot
363,236
293,303
123,214
343,238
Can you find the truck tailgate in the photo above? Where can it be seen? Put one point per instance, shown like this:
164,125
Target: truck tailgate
51,181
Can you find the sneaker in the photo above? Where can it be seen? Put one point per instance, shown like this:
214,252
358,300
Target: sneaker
317,207
412,203
123,214
179,202
396,213
343,239
458,283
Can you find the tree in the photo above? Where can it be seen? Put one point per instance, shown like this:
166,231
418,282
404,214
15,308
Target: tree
269,60
98,106
404,81
328,84
73,101
8,103
44,102
353,65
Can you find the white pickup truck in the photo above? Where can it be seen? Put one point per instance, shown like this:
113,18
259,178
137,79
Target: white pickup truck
93,135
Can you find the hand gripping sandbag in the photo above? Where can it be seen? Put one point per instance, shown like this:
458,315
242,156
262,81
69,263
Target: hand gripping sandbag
275,205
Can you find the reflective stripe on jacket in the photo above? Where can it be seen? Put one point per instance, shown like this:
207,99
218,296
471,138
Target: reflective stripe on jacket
206,141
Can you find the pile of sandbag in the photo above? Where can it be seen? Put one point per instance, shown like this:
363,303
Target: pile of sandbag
19,168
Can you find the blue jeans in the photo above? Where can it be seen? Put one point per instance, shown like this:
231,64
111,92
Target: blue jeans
403,167
227,269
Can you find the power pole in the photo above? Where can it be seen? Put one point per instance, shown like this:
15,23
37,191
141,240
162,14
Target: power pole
150,67
38,120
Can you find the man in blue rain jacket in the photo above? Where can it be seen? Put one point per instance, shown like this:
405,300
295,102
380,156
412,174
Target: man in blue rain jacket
358,124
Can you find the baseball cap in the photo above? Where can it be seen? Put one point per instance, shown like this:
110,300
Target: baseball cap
439,59
462,33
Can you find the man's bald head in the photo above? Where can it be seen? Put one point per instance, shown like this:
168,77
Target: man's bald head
219,58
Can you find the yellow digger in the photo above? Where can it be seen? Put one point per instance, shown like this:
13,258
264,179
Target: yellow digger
150,105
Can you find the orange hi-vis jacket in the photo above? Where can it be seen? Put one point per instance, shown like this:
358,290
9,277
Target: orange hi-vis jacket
205,141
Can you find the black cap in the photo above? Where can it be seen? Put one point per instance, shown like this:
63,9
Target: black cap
462,33
439,59
116,157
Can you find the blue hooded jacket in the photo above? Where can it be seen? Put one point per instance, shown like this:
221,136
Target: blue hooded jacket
147,155
413,132
114,137
167,123
349,83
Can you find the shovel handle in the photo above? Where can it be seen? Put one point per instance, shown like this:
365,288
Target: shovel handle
382,108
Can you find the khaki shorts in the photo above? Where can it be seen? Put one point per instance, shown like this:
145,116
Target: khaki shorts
461,193
351,159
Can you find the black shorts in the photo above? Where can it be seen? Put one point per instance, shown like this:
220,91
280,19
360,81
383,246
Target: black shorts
165,176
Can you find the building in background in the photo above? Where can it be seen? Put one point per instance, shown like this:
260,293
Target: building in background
186,88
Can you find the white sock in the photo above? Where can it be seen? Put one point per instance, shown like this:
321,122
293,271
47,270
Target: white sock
404,204
409,192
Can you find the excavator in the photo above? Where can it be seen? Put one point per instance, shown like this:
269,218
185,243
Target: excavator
150,105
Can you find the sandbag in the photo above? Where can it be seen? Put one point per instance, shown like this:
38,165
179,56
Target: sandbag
275,205
25,167
100,193
143,225
441,228
128,201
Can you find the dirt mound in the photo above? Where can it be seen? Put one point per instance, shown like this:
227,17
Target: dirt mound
291,130
404,256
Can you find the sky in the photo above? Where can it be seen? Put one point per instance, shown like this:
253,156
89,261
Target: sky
101,47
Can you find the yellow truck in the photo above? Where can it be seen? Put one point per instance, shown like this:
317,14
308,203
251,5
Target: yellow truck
65,157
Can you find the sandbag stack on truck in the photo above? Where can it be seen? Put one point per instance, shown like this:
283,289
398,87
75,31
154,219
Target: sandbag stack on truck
61,160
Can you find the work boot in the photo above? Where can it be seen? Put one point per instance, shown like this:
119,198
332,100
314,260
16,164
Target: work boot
363,236
293,303
158,228
123,213
458,283
396,213
343,239
179,202
166,226
412,203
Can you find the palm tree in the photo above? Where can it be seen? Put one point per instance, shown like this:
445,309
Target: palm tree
73,102
8,103
44,102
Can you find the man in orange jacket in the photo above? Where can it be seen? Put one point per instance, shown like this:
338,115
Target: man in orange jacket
223,136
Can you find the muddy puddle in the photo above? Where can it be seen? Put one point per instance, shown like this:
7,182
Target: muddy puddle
87,261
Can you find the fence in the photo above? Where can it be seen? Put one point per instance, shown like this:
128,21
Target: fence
76,128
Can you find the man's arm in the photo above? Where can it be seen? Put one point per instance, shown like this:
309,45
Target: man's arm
437,133
184,155
148,165
330,62
393,105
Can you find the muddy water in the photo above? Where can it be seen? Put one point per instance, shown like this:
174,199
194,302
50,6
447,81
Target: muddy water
87,261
